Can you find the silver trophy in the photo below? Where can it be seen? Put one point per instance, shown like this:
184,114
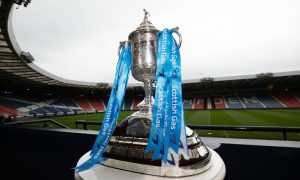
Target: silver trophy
144,48
126,149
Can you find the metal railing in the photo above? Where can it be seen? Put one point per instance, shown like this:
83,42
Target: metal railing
85,123
45,121
283,130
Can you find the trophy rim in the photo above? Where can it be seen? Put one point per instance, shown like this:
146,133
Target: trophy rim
131,35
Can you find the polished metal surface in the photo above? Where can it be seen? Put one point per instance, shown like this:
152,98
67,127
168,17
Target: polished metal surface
128,153
144,47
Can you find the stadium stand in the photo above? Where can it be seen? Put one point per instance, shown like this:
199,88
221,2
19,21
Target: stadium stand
15,106
199,103
9,103
233,102
51,109
269,101
135,103
40,110
219,102
97,104
288,99
6,112
209,103
188,103
14,103
72,105
127,104
59,106
296,95
250,102
85,105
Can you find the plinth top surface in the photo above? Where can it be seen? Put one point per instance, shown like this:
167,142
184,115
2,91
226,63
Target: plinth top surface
216,172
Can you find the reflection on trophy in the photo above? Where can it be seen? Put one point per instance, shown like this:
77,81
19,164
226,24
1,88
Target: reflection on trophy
126,149
144,47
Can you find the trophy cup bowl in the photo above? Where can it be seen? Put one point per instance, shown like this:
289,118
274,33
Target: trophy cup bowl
143,49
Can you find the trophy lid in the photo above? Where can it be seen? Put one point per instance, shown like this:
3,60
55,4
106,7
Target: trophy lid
145,26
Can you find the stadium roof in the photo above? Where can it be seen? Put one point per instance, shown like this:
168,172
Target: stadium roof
18,71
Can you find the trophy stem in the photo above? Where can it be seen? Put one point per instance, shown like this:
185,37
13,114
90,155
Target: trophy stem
145,107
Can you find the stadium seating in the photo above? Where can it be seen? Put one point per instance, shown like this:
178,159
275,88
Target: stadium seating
233,102
297,96
209,103
135,103
97,104
219,102
51,109
58,105
127,105
288,99
5,111
269,101
41,111
188,103
250,102
71,105
13,106
84,104
20,102
9,104
198,103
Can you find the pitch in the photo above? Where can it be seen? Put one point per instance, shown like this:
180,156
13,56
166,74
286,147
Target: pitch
257,117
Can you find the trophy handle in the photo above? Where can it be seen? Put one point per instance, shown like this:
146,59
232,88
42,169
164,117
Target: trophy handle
175,30
120,47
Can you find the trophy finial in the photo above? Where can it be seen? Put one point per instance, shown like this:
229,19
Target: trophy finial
146,23
147,14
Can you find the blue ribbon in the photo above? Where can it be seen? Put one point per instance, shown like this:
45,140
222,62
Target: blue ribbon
174,108
177,132
113,109
155,141
167,136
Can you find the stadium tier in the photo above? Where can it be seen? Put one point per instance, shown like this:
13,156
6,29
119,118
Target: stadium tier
5,111
66,106
188,103
135,102
97,104
127,105
250,102
37,107
198,103
233,102
219,102
269,101
85,105
288,99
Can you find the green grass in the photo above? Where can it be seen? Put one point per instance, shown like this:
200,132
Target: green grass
263,117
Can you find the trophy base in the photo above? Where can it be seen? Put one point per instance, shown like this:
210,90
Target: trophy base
126,151
216,171
138,124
